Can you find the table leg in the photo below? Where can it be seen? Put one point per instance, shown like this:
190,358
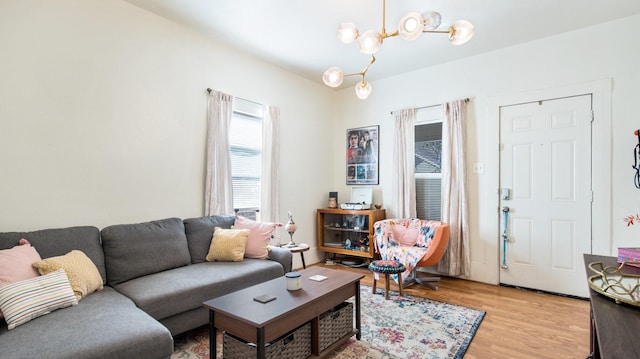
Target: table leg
304,266
358,324
213,332
261,350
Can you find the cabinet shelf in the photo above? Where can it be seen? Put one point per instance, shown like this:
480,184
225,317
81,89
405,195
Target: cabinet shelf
330,228
347,231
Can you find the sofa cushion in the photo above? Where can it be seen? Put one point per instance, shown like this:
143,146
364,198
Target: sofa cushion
15,263
179,290
135,250
228,245
28,299
259,236
83,274
60,241
104,325
199,233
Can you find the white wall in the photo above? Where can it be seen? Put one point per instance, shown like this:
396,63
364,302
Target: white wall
604,53
103,117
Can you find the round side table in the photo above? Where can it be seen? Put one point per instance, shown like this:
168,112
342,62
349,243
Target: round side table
299,248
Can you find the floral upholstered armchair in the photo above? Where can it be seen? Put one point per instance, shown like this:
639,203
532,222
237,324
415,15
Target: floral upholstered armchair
413,242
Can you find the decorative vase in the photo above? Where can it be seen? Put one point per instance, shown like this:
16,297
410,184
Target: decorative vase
290,227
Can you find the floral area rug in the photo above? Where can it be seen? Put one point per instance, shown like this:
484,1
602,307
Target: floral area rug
406,327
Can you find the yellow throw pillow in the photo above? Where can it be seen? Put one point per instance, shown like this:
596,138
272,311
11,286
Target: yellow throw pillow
227,245
82,272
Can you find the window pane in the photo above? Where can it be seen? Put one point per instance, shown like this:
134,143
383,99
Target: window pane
428,162
428,203
428,148
245,141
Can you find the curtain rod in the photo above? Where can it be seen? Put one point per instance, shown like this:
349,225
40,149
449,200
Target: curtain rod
209,89
431,106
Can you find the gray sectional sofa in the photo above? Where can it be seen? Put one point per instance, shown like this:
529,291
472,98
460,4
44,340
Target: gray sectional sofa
156,279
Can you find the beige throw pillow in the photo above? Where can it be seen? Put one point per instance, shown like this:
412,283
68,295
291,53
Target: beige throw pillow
82,272
227,245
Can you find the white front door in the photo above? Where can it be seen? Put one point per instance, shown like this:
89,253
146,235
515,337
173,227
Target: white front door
545,184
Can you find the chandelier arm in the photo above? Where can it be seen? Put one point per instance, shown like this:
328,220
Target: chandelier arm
373,59
451,29
384,19
395,33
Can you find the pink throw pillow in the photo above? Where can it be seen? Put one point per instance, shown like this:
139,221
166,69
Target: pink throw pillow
15,264
259,236
407,237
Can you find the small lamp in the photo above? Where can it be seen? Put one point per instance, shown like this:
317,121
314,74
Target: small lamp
290,227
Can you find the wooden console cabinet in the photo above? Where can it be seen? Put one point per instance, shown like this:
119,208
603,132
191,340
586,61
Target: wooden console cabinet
346,231
614,327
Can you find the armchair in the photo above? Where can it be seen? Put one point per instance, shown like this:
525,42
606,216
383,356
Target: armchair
413,242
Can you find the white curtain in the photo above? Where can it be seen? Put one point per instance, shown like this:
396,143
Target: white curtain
455,260
218,187
403,176
269,193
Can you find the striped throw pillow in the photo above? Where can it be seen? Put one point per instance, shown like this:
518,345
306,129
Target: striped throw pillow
28,299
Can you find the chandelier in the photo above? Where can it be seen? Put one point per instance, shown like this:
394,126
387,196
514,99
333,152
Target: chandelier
410,27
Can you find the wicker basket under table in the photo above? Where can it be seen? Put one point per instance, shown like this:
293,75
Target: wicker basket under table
334,324
294,345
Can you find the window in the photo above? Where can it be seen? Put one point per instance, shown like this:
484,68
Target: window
428,162
245,141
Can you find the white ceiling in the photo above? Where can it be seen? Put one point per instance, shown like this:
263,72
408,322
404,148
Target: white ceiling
300,35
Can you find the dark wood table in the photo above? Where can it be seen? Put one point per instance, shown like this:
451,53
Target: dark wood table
238,314
614,327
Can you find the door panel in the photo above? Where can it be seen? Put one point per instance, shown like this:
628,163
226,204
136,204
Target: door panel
545,159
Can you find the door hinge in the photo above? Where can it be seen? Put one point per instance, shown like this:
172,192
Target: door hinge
593,116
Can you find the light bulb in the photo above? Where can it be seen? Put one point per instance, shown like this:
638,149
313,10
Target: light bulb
410,26
363,90
460,32
432,20
369,42
333,77
347,32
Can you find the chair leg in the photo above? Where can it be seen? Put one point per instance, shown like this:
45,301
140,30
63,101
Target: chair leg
425,281
410,280
386,286
373,289
400,283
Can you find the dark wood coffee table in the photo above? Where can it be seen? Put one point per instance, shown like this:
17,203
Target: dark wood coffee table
239,315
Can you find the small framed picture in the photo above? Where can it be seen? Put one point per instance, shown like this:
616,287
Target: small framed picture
362,155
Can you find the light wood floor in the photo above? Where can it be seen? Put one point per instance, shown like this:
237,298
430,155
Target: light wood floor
518,323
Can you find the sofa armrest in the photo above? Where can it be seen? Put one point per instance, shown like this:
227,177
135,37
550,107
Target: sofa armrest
282,256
